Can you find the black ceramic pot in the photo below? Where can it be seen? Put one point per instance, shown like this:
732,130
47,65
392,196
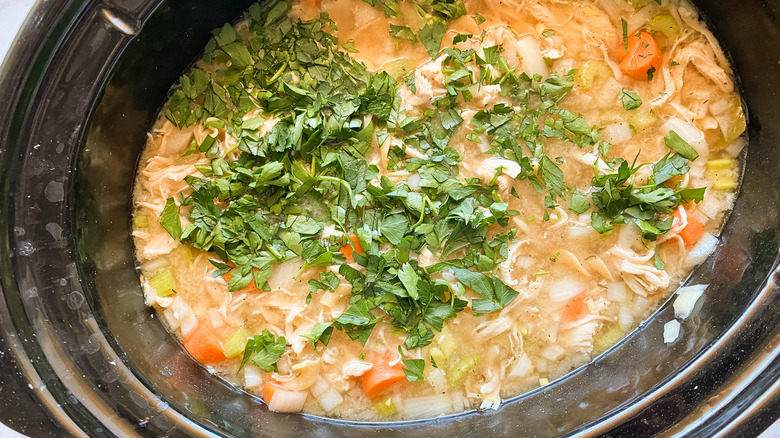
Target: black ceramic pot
80,354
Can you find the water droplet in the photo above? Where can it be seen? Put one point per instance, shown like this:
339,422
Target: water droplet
54,191
60,148
93,344
19,231
166,372
55,230
25,248
75,300
30,293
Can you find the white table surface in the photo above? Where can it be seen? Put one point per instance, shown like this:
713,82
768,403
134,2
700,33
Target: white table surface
12,14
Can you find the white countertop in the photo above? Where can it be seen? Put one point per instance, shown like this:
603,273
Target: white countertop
12,14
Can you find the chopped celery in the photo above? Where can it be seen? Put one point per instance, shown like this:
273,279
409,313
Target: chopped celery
386,408
724,163
141,221
461,369
447,343
606,339
163,282
543,381
592,70
738,124
438,356
236,343
665,24
638,4
641,120
398,68
724,183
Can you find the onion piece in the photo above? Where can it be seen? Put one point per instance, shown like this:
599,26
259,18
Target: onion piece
687,299
287,401
413,180
531,56
330,399
617,133
252,376
565,288
616,291
736,146
671,331
522,367
553,352
703,248
428,406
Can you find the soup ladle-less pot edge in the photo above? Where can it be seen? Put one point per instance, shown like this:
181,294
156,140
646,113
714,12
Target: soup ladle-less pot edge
81,354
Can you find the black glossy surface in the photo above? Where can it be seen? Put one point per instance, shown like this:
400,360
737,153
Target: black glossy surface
73,121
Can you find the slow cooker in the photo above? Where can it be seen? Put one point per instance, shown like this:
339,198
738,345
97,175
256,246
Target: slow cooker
81,355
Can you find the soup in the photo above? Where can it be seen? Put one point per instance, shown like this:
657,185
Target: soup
383,210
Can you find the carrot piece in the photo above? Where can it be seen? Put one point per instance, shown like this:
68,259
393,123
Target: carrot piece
269,389
575,308
692,232
347,250
309,4
642,56
204,345
382,376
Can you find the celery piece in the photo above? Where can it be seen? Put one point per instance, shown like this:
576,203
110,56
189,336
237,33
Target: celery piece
461,369
666,24
447,343
592,70
438,356
163,282
236,343
724,163
724,183
738,124
398,68
543,381
606,339
641,120
141,221
386,408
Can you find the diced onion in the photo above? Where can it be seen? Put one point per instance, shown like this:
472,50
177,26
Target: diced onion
625,318
703,248
736,146
617,133
565,288
553,352
252,376
330,399
522,367
287,401
616,291
690,134
428,406
531,56
687,299
671,331
413,180
283,276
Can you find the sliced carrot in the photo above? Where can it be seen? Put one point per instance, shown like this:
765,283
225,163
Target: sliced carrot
643,56
382,376
204,345
692,232
575,309
347,250
269,389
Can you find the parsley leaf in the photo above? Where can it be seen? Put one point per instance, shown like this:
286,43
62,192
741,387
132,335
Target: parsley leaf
402,32
321,333
431,35
170,219
677,144
579,203
630,99
496,295
264,350
414,369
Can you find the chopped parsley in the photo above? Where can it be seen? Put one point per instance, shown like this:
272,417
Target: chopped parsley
630,99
